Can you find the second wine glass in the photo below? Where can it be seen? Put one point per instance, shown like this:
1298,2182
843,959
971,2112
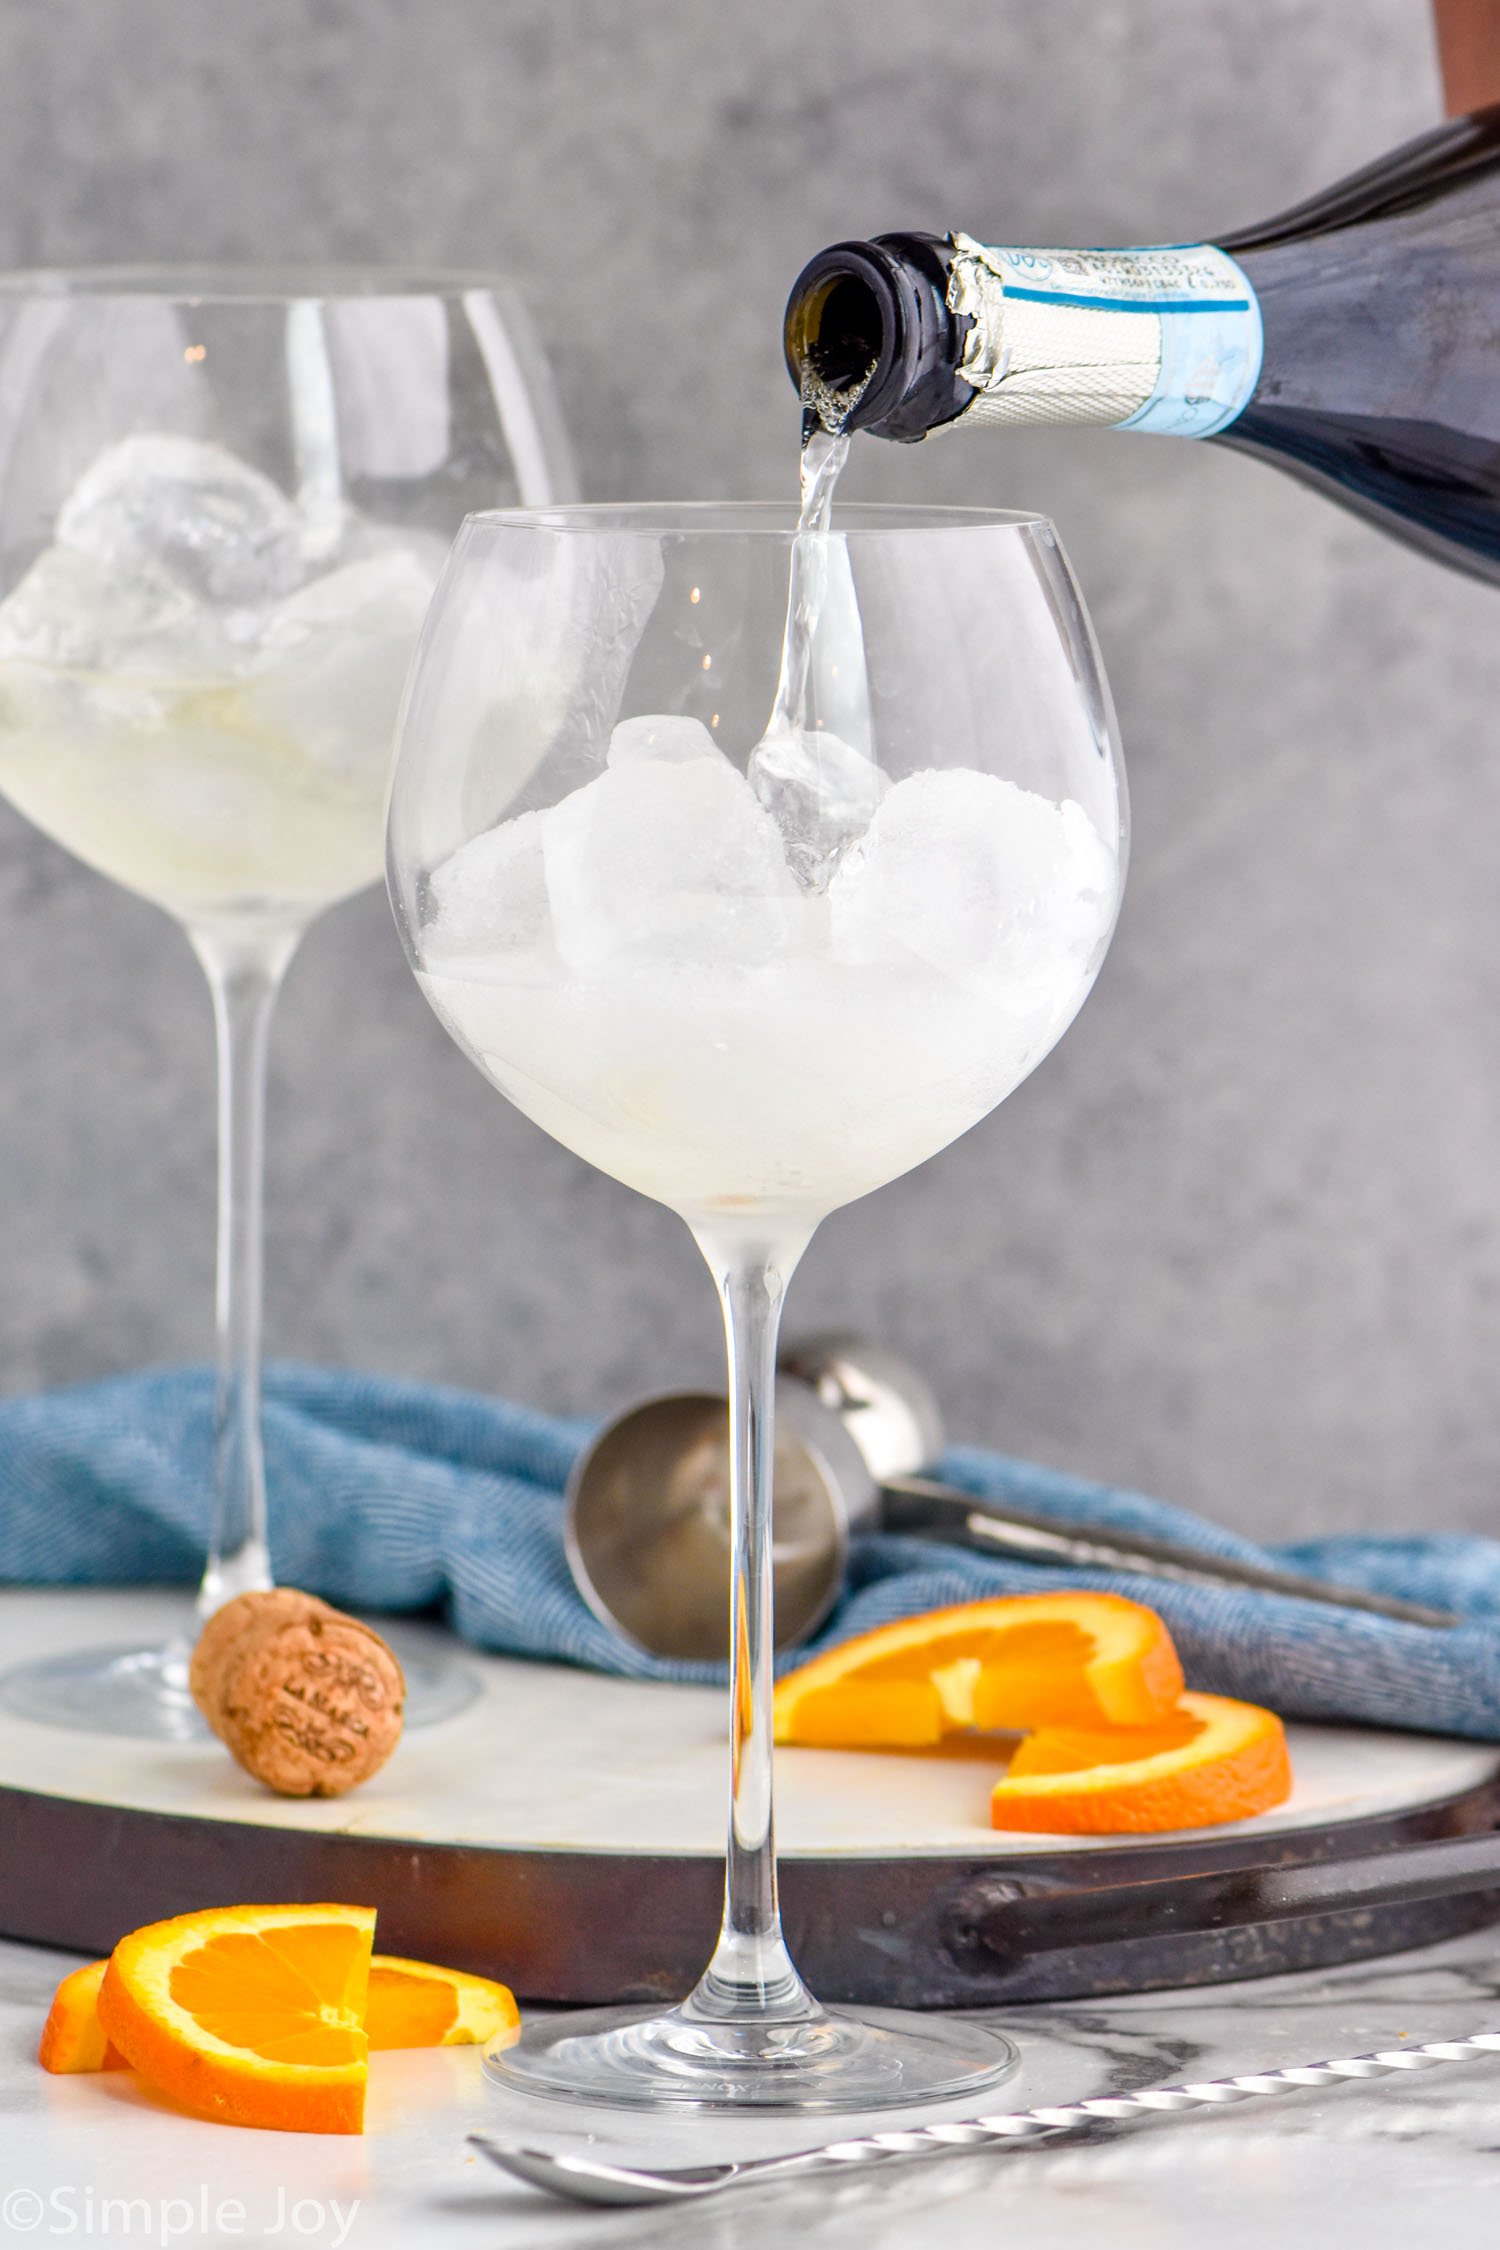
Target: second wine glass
226,499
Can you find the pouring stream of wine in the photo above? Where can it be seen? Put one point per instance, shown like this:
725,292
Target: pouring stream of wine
823,456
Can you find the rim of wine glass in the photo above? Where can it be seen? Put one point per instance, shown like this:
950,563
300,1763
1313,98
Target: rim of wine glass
771,518
229,284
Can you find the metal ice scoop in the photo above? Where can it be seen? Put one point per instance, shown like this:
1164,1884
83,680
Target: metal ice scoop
647,1520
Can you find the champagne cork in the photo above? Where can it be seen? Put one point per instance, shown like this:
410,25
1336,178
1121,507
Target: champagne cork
228,1627
307,1699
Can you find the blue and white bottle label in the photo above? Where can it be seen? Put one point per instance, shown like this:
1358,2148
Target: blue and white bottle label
1184,362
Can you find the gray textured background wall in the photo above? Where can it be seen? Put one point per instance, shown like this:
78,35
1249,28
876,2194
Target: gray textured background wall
1239,1240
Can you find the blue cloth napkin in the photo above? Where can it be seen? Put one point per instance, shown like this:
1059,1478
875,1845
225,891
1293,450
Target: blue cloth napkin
397,1495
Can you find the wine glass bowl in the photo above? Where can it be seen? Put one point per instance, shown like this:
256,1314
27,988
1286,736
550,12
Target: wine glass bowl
752,1002
226,501
225,498
755,864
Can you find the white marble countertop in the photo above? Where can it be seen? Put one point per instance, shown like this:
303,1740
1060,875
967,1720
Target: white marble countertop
100,2161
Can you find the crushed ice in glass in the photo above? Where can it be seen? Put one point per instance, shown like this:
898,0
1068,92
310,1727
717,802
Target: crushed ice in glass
671,855
668,850
187,513
820,791
174,559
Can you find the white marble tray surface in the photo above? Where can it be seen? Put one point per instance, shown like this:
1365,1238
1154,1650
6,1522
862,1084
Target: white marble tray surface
554,1758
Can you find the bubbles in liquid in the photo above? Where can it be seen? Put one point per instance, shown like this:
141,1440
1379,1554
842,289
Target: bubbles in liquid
826,408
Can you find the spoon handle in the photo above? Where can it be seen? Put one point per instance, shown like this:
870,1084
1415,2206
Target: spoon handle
581,2179
1151,2101
939,1511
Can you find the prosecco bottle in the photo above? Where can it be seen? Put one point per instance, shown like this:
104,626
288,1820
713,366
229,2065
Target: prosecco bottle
1355,341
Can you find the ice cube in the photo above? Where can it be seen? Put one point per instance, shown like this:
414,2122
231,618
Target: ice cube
821,792
663,735
985,881
75,611
490,897
329,662
191,511
380,599
670,860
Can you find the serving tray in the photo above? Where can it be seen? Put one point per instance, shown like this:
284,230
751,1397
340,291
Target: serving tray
565,1832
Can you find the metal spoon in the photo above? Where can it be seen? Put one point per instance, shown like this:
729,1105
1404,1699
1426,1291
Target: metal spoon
647,1511
586,2179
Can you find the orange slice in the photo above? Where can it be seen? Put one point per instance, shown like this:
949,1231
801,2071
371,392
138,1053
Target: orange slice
413,2004
1026,1660
73,2037
251,2014
409,2004
1209,1760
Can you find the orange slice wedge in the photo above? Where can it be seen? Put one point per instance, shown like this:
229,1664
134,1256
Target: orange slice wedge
251,2014
1026,1660
1209,1760
73,2037
413,2004
409,2004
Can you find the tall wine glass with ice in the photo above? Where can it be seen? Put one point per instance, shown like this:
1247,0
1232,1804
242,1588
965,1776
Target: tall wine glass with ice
756,864
226,499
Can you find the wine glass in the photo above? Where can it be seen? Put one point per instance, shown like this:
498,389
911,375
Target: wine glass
755,975
225,498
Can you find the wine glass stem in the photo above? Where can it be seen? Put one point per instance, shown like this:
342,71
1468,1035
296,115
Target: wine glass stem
751,1976
244,971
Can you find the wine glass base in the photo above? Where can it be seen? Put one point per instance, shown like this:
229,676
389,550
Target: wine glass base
438,1686
142,1693
865,2059
139,1692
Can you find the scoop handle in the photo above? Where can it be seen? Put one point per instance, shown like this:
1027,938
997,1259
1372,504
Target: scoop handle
930,1510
